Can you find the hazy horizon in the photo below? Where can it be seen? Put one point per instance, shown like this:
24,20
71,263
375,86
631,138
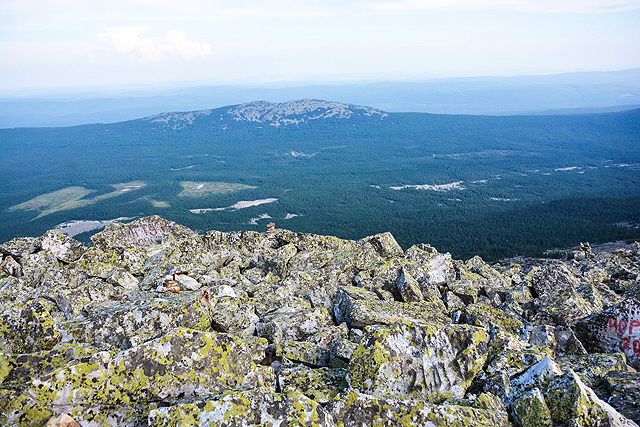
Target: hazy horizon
49,46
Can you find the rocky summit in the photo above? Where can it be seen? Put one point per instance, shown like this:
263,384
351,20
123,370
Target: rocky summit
156,325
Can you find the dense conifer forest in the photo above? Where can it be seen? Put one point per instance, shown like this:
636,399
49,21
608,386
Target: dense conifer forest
493,186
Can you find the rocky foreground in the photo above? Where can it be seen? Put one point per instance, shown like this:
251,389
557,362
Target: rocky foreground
157,325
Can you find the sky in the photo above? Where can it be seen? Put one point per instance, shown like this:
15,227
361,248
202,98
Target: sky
48,44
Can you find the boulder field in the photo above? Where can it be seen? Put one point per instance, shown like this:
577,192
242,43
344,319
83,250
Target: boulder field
155,325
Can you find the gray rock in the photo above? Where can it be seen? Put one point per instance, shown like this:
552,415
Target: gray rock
361,410
95,334
359,308
64,248
246,408
385,245
531,410
612,330
570,401
623,391
144,232
419,362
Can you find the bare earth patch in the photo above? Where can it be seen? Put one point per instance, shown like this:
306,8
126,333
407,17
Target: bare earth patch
73,228
159,204
442,187
72,198
203,189
240,205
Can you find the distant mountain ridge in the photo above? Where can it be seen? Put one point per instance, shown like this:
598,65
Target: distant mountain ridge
272,113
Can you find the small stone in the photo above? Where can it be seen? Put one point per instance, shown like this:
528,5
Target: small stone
62,420
11,266
187,282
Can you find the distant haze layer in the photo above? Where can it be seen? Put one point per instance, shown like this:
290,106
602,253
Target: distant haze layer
549,94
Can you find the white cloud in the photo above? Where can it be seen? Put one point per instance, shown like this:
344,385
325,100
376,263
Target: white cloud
187,48
127,40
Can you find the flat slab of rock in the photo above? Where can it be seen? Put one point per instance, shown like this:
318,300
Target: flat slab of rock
430,363
357,410
148,231
359,308
246,408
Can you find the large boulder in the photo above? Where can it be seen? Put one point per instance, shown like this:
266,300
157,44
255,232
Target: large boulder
143,232
359,308
245,408
429,362
182,363
360,410
615,329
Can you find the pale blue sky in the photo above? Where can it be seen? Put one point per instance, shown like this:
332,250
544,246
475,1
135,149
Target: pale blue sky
66,43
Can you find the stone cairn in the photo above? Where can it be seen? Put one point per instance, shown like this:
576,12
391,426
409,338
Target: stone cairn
155,325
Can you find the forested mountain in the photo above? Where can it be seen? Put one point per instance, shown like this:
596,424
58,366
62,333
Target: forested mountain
489,185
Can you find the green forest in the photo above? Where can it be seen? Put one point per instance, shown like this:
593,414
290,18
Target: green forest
494,186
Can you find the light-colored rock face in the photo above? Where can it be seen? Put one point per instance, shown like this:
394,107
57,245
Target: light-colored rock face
156,325
430,362
616,329
294,112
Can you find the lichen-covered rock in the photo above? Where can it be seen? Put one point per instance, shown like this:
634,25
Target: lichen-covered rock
514,362
19,247
19,369
271,298
35,329
531,410
277,260
518,293
453,302
294,326
305,352
409,289
623,390
180,364
341,353
570,401
64,248
552,279
559,339
537,376
467,291
485,316
428,266
147,231
317,286
384,277
321,385
563,308
359,308
385,245
123,278
186,282
592,368
101,339
362,410
615,329
232,314
184,362
130,323
424,362
246,408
